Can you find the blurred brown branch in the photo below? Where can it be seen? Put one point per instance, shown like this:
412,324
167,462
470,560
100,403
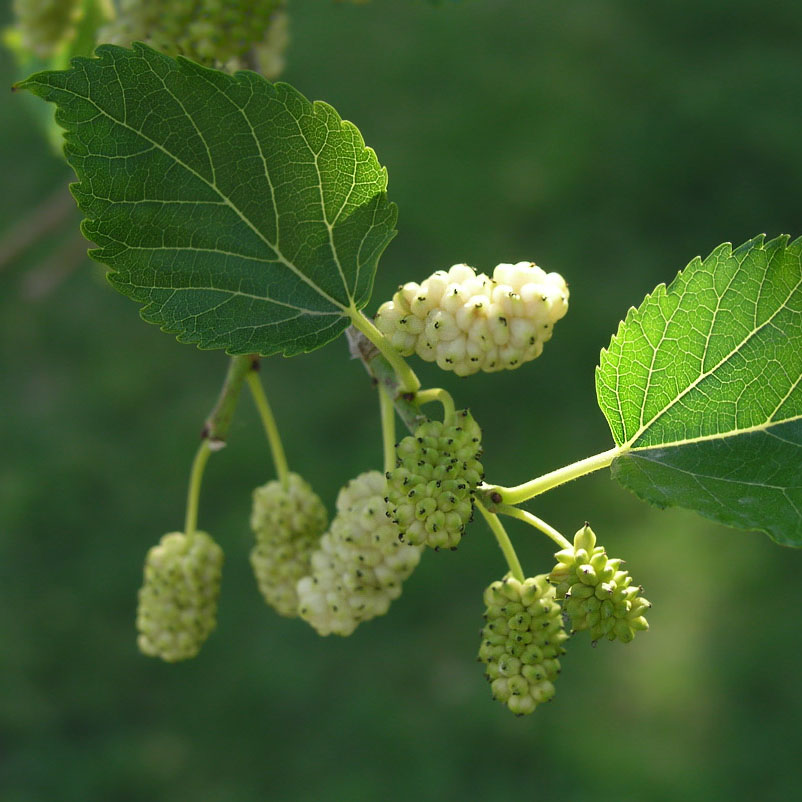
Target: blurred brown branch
44,218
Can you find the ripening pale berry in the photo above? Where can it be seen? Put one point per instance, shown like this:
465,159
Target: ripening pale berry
467,322
360,564
431,491
287,523
178,599
269,52
213,32
597,594
43,25
522,641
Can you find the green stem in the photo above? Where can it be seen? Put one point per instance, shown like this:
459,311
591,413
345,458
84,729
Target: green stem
271,430
441,395
383,373
195,478
215,431
388,428
406,376
521,493
504,542
219,419
538,523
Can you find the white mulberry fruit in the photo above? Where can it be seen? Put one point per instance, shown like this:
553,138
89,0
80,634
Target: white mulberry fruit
360,564
431,491
178,599
598,595
467,322
522,641
287,523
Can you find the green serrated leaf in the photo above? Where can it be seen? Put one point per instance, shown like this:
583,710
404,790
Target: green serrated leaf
702,388
74,34
241,215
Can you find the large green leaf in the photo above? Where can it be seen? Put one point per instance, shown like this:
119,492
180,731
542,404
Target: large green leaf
238,213
702,388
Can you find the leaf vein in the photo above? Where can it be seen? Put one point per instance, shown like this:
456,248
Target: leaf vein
705,374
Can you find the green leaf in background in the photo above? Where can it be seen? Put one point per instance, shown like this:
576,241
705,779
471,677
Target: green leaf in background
241,215
702,388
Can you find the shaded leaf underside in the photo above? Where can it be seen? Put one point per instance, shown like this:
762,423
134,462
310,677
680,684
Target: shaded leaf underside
241,215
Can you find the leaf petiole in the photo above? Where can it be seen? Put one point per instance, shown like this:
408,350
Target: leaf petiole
406,376
496,494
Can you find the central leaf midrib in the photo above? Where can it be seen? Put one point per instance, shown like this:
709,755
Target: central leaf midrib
706,438
302,310
329,227
241,111
645,427
668,321
696,475
216,189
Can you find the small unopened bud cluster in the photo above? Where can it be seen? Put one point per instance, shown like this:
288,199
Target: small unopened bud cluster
598,595
178,599
215,32
522,641
287,522
467,322
360,564
431,492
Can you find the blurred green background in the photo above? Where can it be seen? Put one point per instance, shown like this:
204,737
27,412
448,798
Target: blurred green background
609,140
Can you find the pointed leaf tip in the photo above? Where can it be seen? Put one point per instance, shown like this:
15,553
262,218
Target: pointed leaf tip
239,214
702,388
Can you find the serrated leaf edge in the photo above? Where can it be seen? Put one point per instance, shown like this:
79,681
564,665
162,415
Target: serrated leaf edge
104,55
662,290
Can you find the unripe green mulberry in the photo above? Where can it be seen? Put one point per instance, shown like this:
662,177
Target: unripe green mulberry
467,322
214,32
44,25
522,641
178,600
287,523
431,491
360,564
598,595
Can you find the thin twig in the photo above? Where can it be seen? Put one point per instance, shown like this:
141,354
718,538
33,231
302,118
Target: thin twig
38,282
48,215
382,372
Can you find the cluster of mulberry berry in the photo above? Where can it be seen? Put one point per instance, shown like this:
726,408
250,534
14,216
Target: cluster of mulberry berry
522,641
467,322
213,32
360,564
431,491
43,25
287,522
178,600
598,595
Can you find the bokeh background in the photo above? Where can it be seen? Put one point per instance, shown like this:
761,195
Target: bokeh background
611,140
